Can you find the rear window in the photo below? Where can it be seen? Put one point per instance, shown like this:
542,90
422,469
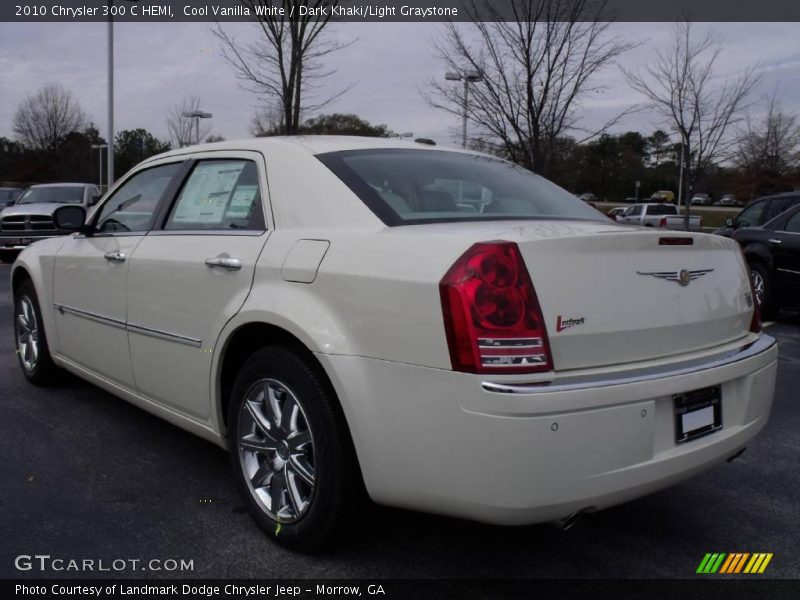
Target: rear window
60,195
665,209
404,187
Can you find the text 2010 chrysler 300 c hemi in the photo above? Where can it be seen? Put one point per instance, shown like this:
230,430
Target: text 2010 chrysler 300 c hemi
444,329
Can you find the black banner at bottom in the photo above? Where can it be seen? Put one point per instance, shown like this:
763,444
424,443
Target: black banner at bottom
276,589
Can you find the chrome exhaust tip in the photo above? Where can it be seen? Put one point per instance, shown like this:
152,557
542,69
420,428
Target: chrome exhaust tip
569,521
736,455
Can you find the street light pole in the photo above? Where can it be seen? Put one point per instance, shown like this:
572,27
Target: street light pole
110,96
197,115
100,161
467,76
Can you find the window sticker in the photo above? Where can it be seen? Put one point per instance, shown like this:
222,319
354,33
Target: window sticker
206,195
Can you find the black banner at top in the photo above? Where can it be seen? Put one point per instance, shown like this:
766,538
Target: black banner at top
398,10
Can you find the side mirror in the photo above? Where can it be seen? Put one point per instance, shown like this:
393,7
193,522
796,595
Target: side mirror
69,218
729,222
94,200
10,202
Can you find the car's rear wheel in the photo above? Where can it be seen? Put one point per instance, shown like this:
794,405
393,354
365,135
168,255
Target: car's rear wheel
762,286
32,348
290,449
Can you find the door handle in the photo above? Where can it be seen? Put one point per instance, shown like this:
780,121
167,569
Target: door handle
774,241
224,262
117,257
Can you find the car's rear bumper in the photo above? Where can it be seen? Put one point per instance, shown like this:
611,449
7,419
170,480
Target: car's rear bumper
513,453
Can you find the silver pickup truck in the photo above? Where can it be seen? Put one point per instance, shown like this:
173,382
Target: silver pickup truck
665,216
30,217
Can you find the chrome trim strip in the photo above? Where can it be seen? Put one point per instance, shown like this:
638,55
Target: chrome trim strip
214,232
581,382
789,271
164,335
89,315
156,333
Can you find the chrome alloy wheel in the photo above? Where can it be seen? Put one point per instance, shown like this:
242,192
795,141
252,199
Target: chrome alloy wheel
276,450
758,286
27,334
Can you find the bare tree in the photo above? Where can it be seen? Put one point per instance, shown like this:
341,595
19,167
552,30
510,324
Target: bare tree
535,69
268,120
43,120
768,151
181,128
682,86
286,62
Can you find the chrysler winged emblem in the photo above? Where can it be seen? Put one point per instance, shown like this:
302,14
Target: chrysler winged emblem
684,276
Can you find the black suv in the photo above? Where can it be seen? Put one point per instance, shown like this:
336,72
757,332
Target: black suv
759,211
773,255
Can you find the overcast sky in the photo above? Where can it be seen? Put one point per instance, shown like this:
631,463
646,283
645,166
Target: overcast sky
158,64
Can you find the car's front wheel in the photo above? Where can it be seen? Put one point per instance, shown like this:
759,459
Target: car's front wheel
290,449
32,349
762,286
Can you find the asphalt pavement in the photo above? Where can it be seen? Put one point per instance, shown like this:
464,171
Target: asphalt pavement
87,476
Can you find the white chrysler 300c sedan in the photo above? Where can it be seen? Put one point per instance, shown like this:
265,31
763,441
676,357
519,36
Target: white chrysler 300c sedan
443,329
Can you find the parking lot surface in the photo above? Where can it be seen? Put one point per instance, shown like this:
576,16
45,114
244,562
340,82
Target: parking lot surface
87,476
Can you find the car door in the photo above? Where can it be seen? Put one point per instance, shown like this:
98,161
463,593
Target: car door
785,248
91,275
191,275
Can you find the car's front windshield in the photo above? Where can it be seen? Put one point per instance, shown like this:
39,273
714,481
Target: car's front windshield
405,186
58,194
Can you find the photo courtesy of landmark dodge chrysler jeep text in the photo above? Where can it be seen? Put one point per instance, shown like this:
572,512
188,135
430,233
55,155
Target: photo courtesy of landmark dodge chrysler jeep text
440,328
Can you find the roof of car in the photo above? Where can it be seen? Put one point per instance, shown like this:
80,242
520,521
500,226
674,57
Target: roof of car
38,185
313,144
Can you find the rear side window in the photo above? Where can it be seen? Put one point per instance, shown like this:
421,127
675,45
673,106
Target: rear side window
405,186
793,224
219,195
776,207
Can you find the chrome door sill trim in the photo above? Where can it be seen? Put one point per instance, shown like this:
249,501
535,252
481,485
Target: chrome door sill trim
164,335
89,315
581,382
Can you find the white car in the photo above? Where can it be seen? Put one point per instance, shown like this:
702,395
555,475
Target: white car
331,311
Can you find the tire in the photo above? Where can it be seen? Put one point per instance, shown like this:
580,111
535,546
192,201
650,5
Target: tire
298,476
765,294
31,341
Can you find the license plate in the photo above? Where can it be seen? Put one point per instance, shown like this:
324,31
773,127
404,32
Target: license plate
697,413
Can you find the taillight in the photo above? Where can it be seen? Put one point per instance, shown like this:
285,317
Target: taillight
492,316
663,222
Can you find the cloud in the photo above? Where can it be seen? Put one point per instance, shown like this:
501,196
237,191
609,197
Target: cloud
157,64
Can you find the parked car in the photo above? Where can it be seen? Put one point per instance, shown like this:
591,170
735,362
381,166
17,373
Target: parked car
9,195
31,217
728,200
759,211
351,327
701,200
773,255
588,197
663,196
665,216
617,212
